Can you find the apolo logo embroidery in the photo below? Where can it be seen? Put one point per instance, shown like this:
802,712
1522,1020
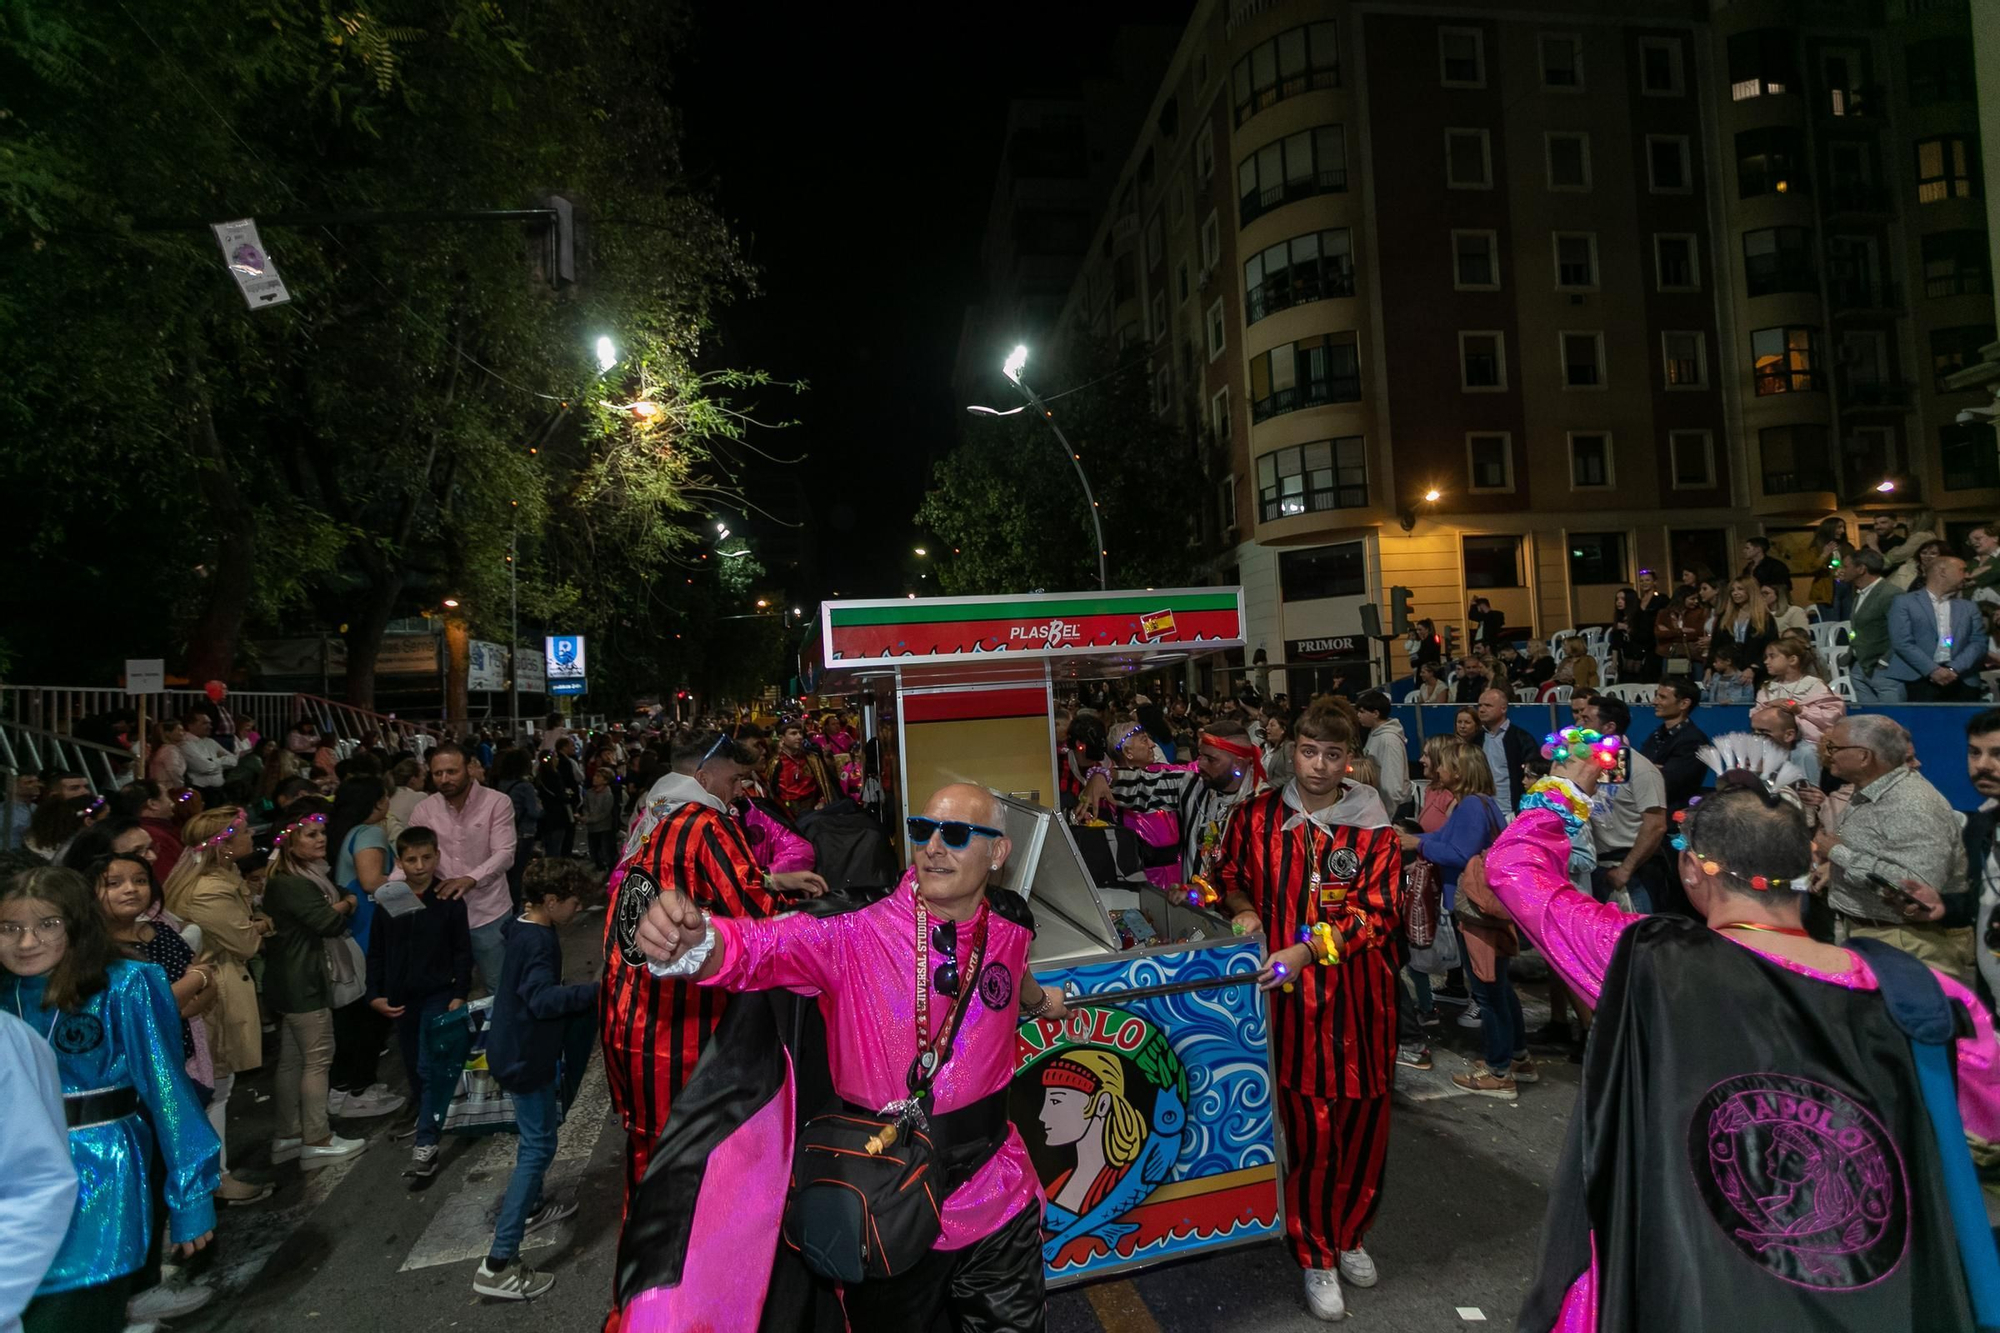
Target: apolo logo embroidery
636,893
1802,1178
1343,863
76,1033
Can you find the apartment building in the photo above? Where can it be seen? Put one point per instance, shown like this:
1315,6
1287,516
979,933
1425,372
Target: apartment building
1501,300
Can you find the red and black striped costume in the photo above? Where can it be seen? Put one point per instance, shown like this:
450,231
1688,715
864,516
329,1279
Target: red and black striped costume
1333,1038
654,1029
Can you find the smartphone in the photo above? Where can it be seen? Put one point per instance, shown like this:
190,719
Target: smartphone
1893,894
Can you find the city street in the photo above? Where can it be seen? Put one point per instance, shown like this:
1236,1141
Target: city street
350,1247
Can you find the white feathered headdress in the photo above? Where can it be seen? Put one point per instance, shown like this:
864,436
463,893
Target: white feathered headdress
1764,758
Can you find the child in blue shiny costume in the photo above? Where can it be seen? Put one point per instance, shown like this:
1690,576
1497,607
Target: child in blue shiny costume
116,1033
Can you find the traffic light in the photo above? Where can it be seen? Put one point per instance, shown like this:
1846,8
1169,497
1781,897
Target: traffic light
1402,610
1450,643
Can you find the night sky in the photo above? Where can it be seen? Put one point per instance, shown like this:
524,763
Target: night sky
856,162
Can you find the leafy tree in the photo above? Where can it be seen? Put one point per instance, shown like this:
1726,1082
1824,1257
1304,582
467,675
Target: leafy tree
1009,516
424,407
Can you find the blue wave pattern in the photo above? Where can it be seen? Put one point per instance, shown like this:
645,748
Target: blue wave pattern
1222,1037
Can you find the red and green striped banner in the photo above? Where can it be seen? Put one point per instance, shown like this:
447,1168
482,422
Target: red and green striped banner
1038,625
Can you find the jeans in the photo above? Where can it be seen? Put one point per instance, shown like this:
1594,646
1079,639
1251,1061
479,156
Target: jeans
489,951
537,1115
603,848
432,1096
1426,1002
1501,1024
1877,687
305,1054
1636,886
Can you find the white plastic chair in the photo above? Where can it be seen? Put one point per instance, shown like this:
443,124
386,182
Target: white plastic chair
1843,686
1562,693
1637,692
1524,694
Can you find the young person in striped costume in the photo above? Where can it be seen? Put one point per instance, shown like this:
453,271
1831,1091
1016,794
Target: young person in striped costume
1315,866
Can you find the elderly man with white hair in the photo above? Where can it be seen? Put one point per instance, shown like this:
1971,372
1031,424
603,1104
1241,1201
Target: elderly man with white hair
1897,827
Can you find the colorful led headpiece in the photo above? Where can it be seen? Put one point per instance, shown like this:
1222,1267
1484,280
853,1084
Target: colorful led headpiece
1559,747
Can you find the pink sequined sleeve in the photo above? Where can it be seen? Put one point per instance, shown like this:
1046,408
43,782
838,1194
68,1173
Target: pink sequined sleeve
795,952
1527,869
1978,1066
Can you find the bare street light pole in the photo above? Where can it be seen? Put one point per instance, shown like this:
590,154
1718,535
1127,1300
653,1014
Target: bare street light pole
1012,370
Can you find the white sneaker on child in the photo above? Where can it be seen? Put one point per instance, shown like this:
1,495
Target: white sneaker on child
1323,1295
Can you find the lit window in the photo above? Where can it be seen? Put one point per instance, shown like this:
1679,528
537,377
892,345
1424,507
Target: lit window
1945,170
1785,360
1313,267
1309,478
1686,355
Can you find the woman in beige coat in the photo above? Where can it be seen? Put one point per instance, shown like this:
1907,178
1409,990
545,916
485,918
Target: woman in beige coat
207,890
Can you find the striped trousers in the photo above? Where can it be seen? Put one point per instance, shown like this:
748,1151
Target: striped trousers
1336,1149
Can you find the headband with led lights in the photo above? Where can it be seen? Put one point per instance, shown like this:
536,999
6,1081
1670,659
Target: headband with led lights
93,807
184,795
1118,739
294,827
1559,747
1714,867
222,837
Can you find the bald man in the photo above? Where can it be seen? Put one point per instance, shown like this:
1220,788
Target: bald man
1508,748
862,961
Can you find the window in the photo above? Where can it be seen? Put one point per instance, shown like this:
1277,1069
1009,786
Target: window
1492,562
1674,263
1218,416
1322,571
1297,166
1225,497
1785,360
1970,460
1218,334
1568,159
1462,57
1204,156
1693,459
1686,356
1176,204
1482,361
1852,272
1770,161
1490,461
1589,460
1778,259
1939,69
1596,558
1309,478
1182,288
1945,169
1163,388
1576,260
1762,63
1291,63
1468,160
1660,66
1952,350
1308,373
1955,264
1667,170
1159,315
1795,459
1306,268
1864,368
1475,260
1582,360
1156,243
1201,70
1211,242
1562,62
1842,83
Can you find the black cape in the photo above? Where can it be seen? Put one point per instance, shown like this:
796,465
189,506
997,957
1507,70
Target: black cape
1750,1150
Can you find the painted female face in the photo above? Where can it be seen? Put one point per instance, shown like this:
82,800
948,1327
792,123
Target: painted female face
122,891
1065,1115
33,936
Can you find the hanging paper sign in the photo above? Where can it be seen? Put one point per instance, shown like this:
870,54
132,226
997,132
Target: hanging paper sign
248,263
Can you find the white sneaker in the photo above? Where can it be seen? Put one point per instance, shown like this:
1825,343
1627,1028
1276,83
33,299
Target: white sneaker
168,1300
1470,1018
332,1150
1323,1296
362,1105
515,1282
285,1150
1357,1267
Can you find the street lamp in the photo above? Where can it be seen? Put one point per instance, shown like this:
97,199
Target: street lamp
1011,368
451,603
921,551
1885,486
607,355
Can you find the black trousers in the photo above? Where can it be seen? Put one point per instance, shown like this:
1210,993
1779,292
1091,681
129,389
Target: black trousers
357,1046
98,1309
992,1286
1960,691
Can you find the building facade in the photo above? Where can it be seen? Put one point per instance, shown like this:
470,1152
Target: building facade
1513,301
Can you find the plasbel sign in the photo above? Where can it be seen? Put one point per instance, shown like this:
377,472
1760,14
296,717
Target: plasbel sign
1035,625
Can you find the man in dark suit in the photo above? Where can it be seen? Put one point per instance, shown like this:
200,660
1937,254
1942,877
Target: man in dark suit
1868,628
1672,745
1508,748
1486,624
1766,569
1936,638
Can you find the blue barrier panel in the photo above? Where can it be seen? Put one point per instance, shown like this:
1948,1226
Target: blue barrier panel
1937,731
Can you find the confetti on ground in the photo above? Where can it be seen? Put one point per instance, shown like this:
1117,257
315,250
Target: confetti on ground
1472,1314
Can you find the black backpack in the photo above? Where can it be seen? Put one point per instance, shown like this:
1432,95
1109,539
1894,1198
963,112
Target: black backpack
849,848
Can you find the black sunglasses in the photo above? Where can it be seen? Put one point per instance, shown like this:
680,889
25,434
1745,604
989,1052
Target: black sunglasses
944,941
955,832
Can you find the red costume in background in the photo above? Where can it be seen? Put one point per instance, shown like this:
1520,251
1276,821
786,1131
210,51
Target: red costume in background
1333,1036
654,1029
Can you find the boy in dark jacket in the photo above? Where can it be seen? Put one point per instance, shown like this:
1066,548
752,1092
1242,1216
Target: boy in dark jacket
532,1014
420,966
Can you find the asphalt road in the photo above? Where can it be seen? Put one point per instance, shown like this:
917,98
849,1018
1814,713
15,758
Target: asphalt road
351,1247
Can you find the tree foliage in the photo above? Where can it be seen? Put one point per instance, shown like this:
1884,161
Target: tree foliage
424,407
1009,515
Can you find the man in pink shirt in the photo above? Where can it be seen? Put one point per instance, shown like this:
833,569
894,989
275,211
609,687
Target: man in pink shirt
475,833
985,1268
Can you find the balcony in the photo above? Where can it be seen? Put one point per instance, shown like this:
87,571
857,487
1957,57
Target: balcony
1860,297
1865,100
1305,81
1296,288
1807,477
1782,380
1332,180
1857,198
1970,282
1312,393
1859,394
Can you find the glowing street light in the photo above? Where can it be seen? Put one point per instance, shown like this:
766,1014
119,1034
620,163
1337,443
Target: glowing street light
1016,359
1885,486
1432,496
921,551
451,603
761,603
1011,368
607,355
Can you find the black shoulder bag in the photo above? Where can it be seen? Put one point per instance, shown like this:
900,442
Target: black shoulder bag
868,1187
